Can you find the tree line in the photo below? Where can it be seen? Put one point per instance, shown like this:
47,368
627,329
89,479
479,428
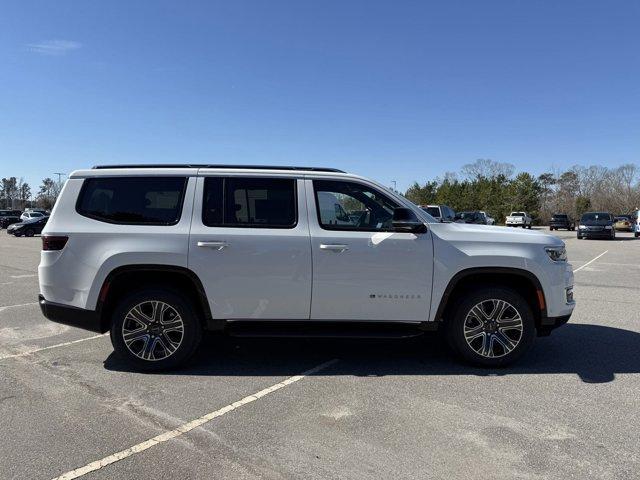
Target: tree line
497,189
16,193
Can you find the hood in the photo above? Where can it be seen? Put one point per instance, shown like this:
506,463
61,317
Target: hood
465,232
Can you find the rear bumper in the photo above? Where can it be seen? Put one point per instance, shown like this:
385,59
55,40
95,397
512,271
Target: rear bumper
72,316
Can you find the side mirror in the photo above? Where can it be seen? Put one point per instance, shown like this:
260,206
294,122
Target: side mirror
405,220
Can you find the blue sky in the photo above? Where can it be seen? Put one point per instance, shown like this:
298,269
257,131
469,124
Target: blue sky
393,90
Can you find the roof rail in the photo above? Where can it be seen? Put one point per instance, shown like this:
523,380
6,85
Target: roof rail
243,167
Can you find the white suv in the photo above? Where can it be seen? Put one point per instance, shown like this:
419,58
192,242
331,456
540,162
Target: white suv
158,254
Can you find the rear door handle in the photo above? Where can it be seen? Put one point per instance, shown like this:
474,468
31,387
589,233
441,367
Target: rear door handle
334,247
214,244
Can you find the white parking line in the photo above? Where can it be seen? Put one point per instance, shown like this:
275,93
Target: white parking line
25,276
31,352
187,427
589,262
6,307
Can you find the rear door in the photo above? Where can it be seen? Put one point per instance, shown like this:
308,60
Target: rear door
362,269
249,244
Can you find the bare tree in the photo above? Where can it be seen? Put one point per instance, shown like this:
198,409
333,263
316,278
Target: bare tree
487,168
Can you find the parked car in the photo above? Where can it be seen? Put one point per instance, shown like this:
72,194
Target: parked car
623,223
28,228
596,225
158,254
7,217
31,215
561,220
442,213
489,219
475,217
519,219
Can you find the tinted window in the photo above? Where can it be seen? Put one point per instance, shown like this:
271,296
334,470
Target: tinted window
133,200
249,202
433,211
560,217
352,206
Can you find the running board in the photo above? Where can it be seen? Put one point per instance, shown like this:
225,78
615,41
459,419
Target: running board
306,329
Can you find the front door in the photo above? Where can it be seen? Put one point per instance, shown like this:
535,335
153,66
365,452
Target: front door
249,244
362,269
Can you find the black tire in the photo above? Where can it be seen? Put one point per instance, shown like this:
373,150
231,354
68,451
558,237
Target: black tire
188,342
462,315
29,233
551,228
636,234
529,226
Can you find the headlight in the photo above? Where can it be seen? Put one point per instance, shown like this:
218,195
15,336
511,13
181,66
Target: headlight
582,227
557,254
608,227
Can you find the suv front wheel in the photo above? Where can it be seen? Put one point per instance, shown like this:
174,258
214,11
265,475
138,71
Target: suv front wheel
491,327
155,329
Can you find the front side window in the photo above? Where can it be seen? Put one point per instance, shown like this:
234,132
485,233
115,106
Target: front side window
133,200
249,202
352,206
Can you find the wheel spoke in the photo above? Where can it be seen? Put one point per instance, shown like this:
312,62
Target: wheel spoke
505,341
133,336
510,323
137,315
487,346
499,309
474,333
478,312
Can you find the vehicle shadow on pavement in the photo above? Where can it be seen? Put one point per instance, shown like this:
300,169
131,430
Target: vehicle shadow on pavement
595,353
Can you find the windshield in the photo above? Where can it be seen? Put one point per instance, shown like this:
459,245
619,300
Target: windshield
517,214
596,217
560,217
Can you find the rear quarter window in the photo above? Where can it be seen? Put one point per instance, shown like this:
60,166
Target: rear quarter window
133,200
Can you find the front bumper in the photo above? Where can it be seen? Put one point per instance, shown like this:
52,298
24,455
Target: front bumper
548,324
595,234
72,316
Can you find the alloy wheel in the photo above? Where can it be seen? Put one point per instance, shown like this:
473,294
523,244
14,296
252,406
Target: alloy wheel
493,328
153,330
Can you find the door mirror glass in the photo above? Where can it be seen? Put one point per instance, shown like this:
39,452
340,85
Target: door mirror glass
405,220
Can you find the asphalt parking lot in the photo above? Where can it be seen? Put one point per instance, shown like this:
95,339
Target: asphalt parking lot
327,409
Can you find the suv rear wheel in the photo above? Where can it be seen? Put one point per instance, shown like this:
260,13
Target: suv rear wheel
491,327
155,329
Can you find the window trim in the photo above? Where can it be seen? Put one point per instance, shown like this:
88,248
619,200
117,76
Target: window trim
338,228
87,180
248,225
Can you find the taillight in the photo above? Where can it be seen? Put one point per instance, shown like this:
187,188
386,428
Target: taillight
50,242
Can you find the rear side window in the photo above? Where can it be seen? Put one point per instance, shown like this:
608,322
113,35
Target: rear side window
249,202
133,200
433,211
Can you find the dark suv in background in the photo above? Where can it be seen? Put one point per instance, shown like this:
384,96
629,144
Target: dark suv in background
7,217
561,220
596,225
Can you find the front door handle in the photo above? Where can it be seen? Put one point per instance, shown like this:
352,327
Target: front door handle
334,247
215,245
